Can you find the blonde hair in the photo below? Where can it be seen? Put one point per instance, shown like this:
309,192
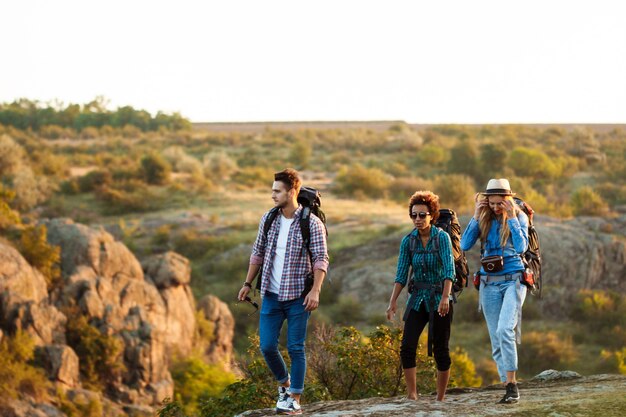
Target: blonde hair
486,216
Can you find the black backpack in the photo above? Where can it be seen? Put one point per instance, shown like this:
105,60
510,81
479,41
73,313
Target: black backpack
532,257
449,223
310,200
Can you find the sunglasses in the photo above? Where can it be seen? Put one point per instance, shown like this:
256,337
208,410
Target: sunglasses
252,303
421,214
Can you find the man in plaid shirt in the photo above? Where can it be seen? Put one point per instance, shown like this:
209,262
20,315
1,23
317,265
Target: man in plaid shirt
286,263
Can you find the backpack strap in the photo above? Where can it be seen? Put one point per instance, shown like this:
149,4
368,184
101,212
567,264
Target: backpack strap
269,220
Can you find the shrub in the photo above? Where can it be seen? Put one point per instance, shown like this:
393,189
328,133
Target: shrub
128,197
360,182
617,360
586,202
463,370
218,165
100,355
254,177
545,350
603,315
351,366
300,154
455,192
401,189
54,132
17,373
155,169
197,381
532,163
89,132
39,253
30,190
93,180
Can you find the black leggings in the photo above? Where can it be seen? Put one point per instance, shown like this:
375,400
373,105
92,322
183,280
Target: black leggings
413,327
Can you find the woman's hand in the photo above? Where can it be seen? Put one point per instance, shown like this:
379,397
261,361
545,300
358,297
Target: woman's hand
509,207
480,204
391,310
444,306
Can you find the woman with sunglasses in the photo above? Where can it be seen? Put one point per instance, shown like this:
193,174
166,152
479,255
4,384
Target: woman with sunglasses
427,251
503,232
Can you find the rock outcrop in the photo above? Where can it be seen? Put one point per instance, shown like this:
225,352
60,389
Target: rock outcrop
148,306
220,349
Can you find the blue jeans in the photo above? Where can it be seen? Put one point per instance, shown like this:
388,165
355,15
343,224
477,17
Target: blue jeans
502,307
273,315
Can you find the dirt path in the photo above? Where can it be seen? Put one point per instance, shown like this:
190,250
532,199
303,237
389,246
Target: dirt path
599,395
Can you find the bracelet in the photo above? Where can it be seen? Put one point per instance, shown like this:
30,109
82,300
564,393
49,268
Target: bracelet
247,284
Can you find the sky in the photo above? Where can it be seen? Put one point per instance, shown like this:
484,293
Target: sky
546,61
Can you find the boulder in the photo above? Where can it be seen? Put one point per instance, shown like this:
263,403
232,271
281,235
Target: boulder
220,349
24,303
61,364
168,270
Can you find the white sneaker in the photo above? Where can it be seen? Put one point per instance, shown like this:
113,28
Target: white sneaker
283,393
290,406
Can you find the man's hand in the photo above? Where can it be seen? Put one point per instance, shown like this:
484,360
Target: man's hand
243,292
312,300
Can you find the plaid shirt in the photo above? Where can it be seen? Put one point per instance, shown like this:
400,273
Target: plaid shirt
297,260
435,272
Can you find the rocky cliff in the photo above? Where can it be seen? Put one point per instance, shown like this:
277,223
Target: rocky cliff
147,306
579,253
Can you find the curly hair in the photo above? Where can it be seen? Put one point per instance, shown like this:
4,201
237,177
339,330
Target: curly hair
429,199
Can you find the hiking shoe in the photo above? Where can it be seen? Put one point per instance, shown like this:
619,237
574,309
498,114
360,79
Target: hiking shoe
289,407
283,393
512,394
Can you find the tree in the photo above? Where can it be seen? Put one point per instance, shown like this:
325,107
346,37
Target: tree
464,159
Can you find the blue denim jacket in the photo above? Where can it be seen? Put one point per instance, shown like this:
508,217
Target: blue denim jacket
515,246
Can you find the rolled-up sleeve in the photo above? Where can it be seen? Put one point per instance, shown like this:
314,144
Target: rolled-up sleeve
258,249
318,245
447,257
404,262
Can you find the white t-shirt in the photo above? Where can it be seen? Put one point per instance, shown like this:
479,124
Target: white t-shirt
279,258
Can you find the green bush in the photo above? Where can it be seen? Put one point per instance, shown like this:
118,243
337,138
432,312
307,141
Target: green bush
602,315
254,176
128,197
93,180
463,370
100,355
455,192
34,246
155,169
545,350
586,202
197,381
17,373
352,366
360,182
401,189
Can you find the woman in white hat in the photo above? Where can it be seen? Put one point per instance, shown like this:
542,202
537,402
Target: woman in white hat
503,232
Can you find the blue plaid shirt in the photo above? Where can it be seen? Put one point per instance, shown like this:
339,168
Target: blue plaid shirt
436,270
297,260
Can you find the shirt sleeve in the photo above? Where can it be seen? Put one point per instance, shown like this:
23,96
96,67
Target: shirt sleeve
318,244
447,256
404,262
519,232
258,249
470,235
